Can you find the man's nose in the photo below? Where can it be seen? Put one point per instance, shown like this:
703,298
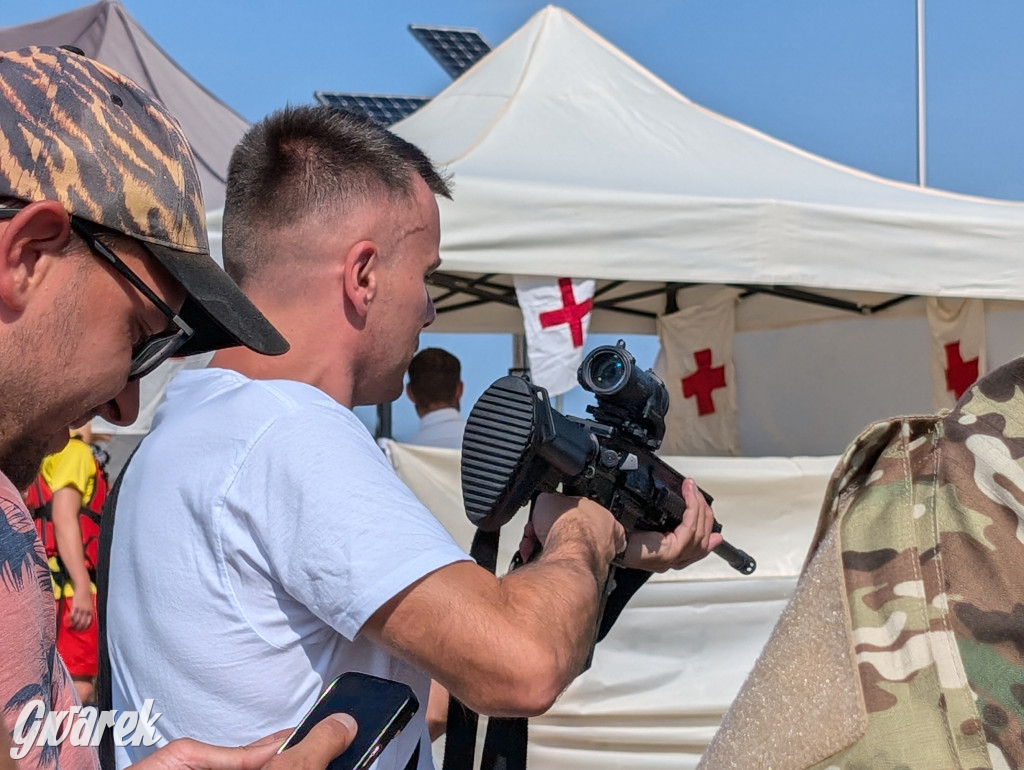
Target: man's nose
122,409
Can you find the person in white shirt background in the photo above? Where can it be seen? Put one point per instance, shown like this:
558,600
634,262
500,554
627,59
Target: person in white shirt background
435,387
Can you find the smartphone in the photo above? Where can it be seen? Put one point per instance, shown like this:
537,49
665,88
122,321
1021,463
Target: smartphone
381,708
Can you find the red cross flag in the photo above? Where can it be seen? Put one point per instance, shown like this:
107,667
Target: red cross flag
695,362
957,347
556,314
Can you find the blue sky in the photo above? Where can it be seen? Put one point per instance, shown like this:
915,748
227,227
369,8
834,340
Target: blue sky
835,77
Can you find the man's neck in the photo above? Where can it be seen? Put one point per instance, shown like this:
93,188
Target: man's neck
313,370
423,411
310,358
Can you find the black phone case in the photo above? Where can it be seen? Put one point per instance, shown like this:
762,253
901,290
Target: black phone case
381,708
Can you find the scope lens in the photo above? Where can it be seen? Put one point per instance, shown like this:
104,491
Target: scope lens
607,371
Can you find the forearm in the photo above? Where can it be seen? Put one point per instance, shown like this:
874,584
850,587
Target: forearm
509,646
437,711
551,613
68,534
556,598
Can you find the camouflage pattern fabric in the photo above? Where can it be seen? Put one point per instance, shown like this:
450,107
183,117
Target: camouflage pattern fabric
75,131
929,513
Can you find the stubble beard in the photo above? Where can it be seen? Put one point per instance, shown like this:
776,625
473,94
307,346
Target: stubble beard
24,439
21,460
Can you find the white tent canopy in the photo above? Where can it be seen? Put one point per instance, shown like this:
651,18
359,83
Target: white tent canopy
569,158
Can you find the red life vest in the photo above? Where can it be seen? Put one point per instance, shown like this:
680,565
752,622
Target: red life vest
39,500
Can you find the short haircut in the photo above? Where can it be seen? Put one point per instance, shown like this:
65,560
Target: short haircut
311,160
434,376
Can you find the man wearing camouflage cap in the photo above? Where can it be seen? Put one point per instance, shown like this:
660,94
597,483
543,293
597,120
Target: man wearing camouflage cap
104,272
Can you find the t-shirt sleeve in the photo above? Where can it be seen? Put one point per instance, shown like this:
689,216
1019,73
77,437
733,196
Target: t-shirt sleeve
73,466
341,532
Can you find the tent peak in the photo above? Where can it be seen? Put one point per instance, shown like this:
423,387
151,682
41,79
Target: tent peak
107,32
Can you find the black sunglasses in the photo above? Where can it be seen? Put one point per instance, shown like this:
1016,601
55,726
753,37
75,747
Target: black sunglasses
149,353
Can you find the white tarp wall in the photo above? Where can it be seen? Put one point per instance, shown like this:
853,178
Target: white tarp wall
810,389
679,652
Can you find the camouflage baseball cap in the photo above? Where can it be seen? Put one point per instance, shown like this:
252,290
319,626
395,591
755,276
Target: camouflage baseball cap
75,131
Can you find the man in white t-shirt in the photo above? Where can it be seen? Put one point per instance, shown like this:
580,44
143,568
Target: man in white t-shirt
435,388
264,545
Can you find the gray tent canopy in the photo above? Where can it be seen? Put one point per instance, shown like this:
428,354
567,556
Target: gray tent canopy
105,31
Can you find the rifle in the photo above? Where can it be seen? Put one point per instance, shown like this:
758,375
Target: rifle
516,445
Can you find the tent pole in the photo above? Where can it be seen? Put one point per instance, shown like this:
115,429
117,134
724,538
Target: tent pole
384,421
921,167
519,363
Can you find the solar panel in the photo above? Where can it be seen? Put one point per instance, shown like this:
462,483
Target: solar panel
385,110
455,49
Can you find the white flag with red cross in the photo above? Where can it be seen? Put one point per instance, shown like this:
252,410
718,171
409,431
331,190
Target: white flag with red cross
696,365
957,347
556,315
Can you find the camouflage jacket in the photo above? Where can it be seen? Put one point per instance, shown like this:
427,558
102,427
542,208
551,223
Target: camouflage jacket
903,643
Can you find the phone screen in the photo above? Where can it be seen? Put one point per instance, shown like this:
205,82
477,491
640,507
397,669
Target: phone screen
381,708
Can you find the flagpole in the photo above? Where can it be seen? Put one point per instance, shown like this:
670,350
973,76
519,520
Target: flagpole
921,162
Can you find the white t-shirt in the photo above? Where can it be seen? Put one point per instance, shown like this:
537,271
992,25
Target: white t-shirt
258,528
440,428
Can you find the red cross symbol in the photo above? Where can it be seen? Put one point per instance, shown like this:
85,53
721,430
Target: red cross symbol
703,382
960,374
570,313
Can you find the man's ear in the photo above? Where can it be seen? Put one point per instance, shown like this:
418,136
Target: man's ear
458,391
361,264
408,392
27,244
